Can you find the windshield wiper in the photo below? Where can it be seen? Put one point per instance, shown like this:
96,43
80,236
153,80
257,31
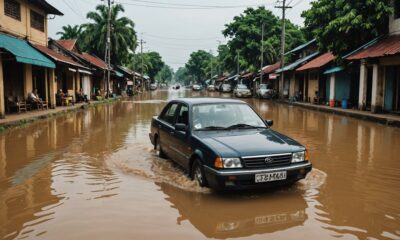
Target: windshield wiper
211,128
243,125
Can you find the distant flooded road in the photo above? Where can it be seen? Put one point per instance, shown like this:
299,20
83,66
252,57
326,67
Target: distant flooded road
94,175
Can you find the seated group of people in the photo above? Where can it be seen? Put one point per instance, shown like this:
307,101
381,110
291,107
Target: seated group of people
65,98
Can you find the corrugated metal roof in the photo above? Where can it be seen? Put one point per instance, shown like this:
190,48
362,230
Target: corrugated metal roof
94,60
297,63
387,46
271,68
24,52
318,62
68,44
298,48
57,56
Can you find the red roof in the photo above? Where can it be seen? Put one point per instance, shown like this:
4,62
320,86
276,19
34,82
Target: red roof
57,56
386,47
271,68
318,62
94,60
68,44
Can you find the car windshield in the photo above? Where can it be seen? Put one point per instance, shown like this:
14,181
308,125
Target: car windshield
241,86
226,85
263,86
225,116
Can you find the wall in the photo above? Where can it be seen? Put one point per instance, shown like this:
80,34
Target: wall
312,85
394,24
23,28
342,88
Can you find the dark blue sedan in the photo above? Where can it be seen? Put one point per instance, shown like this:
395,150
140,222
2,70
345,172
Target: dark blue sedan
224,144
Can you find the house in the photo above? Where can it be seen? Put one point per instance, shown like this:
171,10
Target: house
316,87
379,81
22,67
290,82
70,75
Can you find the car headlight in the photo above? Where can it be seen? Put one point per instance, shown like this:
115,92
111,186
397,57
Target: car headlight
298,157
227,163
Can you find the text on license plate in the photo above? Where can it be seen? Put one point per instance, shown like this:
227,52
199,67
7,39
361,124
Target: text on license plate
270,177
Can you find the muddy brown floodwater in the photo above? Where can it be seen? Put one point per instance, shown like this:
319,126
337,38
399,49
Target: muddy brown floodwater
95,175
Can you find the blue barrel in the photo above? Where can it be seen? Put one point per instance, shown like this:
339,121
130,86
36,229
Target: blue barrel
344,103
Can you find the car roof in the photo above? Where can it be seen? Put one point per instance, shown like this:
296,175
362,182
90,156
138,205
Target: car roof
202,100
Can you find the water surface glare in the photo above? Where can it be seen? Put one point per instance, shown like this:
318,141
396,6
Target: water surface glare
95,175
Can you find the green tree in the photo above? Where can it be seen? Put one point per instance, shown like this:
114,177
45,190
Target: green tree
245,32
341,26
71,32
123,35
182,76
152,63
198,64
165,74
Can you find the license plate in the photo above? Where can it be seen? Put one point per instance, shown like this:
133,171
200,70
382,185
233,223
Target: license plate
270,177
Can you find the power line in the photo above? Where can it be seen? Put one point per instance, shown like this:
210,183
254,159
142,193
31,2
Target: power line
73,10
194,5
188,8
189,39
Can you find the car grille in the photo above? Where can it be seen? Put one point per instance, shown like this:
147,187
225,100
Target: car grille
260,162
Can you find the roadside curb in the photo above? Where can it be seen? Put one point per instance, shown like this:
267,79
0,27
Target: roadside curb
61,112
343,112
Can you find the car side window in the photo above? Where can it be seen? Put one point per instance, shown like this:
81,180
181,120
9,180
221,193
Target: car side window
169,114
183,115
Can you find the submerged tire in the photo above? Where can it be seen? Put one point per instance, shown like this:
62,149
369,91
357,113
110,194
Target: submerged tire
161,153
198,174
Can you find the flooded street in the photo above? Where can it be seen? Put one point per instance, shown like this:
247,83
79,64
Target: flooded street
94,175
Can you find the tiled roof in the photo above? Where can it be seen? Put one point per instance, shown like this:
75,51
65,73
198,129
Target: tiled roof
246,75
386,47
94,60
57,56
318,62
271,68
67,44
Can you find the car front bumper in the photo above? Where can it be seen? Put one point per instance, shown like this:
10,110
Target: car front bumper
245,178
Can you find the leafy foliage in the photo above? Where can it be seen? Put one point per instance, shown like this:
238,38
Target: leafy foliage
245,32
165,74
182,76
123,35
152,63
198,63
71,32
341,26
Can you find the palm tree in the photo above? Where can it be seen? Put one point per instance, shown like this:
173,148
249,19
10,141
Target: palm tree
70,32
123,35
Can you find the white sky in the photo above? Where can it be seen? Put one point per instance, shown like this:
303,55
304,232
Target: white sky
159,25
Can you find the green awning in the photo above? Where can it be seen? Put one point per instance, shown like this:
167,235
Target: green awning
333,70
23,52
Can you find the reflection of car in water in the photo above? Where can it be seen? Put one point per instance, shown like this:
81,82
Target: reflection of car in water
231,216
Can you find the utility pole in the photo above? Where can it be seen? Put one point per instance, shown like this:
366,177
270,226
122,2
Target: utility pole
211,73
238,64
283,41
108,48
142,65
262,53
219,64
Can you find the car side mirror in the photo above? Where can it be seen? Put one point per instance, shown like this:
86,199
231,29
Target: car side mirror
269,122
181,127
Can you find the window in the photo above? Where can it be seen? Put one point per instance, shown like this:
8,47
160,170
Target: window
37,21
183,116
12,8
168,114
396,9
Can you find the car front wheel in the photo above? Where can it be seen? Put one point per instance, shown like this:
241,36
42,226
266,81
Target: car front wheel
198,174
161,153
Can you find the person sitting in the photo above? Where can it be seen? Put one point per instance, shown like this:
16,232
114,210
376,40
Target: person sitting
80,96
34,99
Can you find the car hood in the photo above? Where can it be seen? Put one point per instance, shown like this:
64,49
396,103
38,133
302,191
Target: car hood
248,142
